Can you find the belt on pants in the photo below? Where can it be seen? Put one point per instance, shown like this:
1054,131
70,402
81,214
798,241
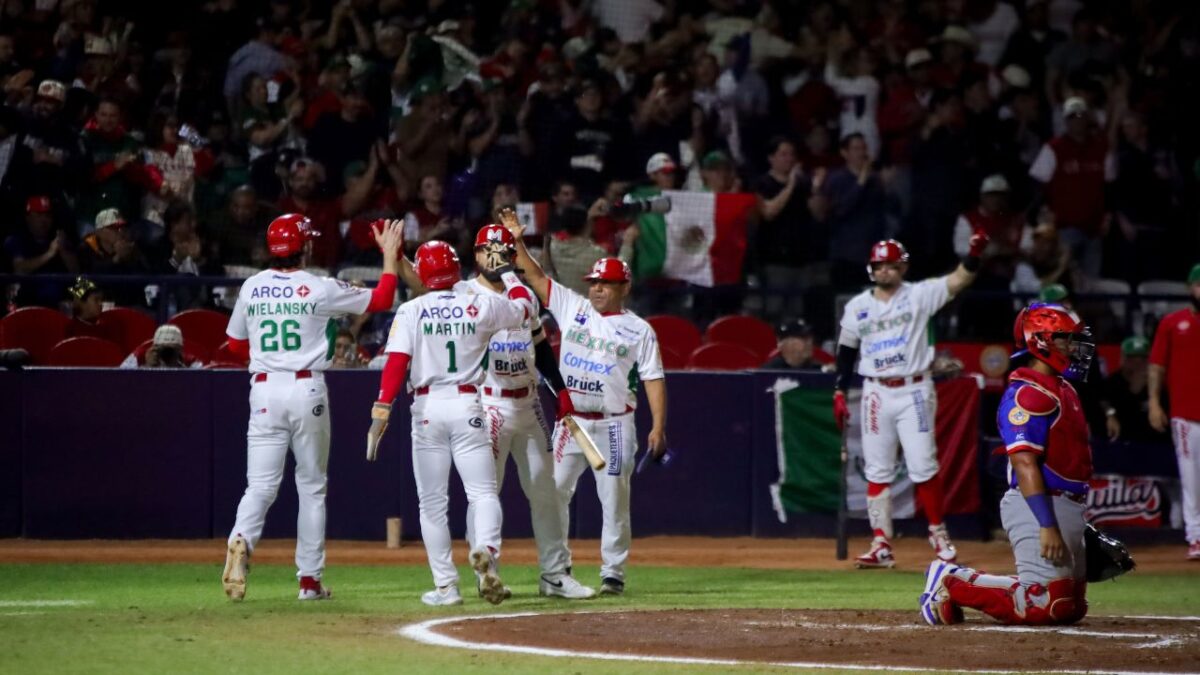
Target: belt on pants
1073,496
462,389
892,382
601,415
298,375
508,393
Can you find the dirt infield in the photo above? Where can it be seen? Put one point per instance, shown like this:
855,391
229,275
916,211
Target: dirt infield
800,554
845,637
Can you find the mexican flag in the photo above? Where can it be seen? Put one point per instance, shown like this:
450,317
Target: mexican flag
701,240
535,216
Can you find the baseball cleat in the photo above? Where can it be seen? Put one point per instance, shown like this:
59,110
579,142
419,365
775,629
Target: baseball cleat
939,540
490,585
311,589
479,587
880,555
236,568
442,597
611,586
1194,551
564,586
936,607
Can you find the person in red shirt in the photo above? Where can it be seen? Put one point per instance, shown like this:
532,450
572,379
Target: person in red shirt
325,214
1176,354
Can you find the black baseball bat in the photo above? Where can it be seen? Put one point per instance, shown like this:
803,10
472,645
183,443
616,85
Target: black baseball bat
842,543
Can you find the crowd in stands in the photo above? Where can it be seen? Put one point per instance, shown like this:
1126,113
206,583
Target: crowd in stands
144,139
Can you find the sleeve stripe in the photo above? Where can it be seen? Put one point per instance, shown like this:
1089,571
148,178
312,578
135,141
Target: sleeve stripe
1023,446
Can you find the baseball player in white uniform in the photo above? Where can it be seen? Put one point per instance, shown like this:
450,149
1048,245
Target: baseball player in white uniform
444,336
605,350
281,322
885,330
515,422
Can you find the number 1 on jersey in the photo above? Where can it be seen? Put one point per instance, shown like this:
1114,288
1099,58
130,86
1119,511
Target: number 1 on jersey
453,357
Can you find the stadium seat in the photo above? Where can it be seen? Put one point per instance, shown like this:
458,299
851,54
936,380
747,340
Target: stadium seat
223,356
671,359
204,328
130,326
86,352
723,356
34,329
360,273
675,333
748,331
191,353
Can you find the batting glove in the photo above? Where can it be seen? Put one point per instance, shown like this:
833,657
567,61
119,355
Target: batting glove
380,412
978,242
841,412
565,406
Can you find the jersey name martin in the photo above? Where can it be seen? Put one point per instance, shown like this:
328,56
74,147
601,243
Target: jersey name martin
448,328
593,343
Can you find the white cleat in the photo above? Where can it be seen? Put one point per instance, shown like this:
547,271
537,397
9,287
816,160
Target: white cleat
880,555
236,567
939,541
311,589
490,585
442,597
564,586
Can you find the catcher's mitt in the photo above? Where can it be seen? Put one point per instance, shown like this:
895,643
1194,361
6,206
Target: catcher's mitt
1107,557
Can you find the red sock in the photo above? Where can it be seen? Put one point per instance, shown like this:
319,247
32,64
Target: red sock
929,494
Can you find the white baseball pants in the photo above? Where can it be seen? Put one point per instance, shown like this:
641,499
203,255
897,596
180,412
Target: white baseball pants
448,427
517,427
894,417
1186,435
285,411
616,438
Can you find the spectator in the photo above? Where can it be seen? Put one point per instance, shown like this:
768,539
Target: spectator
748,99
543,121
339,138
719,174
1126,400
849,70
117,176
426,221
795,348
1142,200
1087,53
166,351
241,229
178,164
1004,227
1033,42
57,152
304,177
345,351
109,250
592,137
993,23
16,167
569,254
943,174
1175,358
660,168
851,202
265,126
258,57
1073,170
631,19
564,197
40,248
790,249
182,251
87,303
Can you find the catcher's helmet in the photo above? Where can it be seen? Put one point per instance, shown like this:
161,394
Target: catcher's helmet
287,233
437,265
886,251
1040,324
494,233
609,269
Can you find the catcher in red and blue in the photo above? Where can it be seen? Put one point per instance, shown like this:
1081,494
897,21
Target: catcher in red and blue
1050,462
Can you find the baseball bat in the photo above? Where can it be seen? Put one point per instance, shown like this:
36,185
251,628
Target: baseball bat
842,543
584,441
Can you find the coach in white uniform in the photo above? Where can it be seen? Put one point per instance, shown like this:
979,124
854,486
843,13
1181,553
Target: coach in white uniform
605,350
281,321
885,330
443,336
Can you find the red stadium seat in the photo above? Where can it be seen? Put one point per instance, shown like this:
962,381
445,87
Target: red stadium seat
822,357
34,329
723,356
86,352
191,352
222,355
672,360
675,333
204,328
131,327
750,332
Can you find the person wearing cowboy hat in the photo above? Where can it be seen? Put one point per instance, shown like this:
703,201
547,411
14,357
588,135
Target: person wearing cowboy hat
956,57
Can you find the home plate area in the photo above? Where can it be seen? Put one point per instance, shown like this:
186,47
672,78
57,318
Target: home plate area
824,638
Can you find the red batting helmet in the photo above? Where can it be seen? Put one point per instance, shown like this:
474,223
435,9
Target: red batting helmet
494,233
1040,324
609,269
437,265
287,233
886,251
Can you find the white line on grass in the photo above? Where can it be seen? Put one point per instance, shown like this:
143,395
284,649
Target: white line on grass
424,632
45,603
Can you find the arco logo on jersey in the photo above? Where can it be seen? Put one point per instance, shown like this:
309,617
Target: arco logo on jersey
303,291
275,292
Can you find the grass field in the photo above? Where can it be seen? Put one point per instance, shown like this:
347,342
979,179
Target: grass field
174,618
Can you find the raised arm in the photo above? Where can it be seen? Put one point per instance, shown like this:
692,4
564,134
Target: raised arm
964,275
535,277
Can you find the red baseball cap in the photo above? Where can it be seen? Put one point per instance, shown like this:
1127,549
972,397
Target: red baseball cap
609,269
38,204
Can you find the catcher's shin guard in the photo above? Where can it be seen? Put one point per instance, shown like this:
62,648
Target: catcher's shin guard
1006,599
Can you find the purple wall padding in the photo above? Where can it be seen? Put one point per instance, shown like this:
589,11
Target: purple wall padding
11,441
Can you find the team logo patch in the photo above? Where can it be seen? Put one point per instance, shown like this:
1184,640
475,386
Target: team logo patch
1017,416
318,410
475,422
471,311
303,291
581,318
861,315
